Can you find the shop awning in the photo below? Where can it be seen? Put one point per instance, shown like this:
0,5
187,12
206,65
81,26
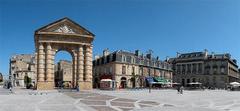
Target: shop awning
161,80
150,80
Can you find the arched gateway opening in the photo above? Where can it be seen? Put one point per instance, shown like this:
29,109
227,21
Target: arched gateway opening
69,36
63,73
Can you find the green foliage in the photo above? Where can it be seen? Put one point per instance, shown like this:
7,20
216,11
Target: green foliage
27,80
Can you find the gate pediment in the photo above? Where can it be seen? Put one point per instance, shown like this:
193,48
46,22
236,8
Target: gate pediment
64,26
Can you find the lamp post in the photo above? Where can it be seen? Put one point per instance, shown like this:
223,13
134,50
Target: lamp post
150,87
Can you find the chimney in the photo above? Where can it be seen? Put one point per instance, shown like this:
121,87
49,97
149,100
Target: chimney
178,54
96,57
137,52
149,56
213,55
167,59
235,61
205,53
106,52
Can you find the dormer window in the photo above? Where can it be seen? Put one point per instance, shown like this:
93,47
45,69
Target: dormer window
222,69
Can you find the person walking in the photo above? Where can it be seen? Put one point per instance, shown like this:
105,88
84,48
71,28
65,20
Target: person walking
181,89
10,87
178,89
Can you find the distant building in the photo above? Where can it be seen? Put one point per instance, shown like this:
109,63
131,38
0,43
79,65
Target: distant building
129,69
63,72
212,70
20,66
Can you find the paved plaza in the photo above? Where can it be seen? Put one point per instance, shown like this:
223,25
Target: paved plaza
119,100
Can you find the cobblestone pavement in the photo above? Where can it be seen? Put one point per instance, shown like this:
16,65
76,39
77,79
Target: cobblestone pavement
101,102
32,100
4,91
170,100
118,100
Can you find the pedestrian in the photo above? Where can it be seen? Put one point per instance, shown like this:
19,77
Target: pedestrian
178,89
78,88
181,90
10,87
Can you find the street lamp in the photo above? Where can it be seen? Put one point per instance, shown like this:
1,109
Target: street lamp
150,87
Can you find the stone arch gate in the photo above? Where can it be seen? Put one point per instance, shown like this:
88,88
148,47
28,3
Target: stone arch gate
69,36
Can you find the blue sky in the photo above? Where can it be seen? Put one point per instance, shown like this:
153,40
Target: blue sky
165,26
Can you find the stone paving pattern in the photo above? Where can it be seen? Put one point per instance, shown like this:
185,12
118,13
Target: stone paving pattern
102,102
119,100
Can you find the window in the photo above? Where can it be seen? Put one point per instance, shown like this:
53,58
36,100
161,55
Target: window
178,69
105,70
214,80
110,70
215,67
194,68
114,57
222,79
129,59
207,69
189,68
194,80
141,62
108,58
123,58
98,61
133,60
183,69
123,69
199,68
140,71
222,69
102,60
133,70
149,71
29,68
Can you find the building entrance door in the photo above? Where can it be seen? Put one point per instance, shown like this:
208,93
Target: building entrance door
123,82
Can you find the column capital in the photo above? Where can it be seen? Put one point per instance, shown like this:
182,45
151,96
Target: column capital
80,48
49,46
40,47
88,45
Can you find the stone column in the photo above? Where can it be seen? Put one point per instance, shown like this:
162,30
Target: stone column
49,63
80,64
53,65
88,63
41,63
74,71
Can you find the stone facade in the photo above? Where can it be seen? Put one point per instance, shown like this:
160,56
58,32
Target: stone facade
69,36
131,67
63,71
212,70
20,66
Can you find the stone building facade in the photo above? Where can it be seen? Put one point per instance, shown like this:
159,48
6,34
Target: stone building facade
20,66
212,70
63,72
129,69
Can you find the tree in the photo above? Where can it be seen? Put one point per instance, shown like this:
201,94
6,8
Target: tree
1,77
27,81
